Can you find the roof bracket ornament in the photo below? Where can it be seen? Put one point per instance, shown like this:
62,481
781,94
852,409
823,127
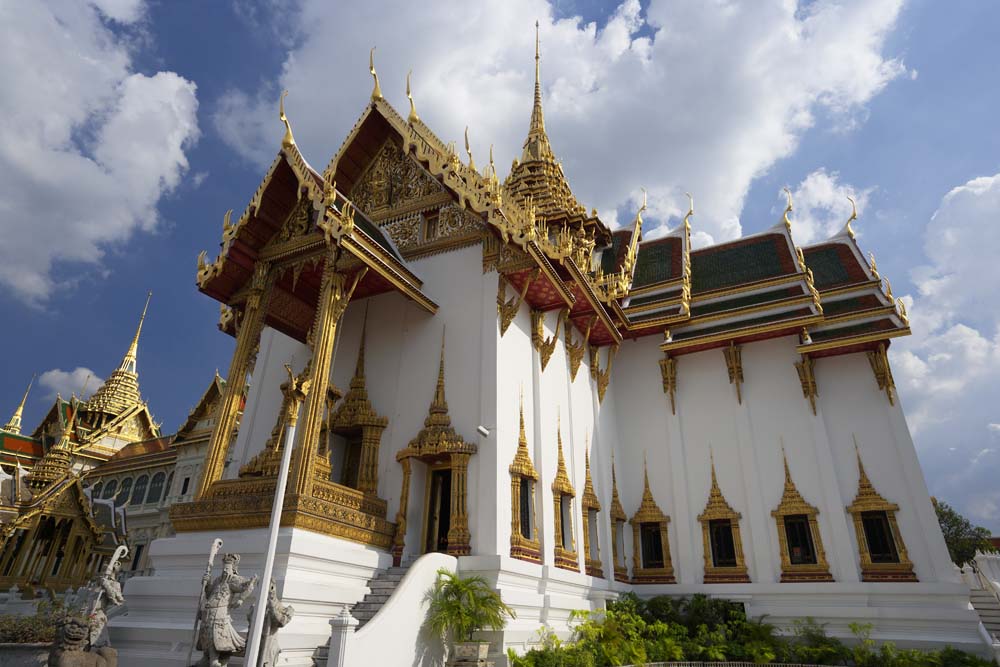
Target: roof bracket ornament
854,216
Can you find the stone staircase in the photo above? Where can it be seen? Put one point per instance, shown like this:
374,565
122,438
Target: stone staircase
987,606
381,589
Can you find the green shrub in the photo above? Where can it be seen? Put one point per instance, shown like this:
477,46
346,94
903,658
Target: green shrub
36,629
633,631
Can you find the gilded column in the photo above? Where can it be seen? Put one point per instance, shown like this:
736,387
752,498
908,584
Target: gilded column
247,340
399,540
458,534
368,474
335,293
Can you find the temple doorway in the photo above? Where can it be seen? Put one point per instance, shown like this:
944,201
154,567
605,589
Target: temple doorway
438,515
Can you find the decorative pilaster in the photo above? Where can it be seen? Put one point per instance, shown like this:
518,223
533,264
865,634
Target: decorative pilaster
335,294
247,339
734,365
807,380
668,373
459,537
399,539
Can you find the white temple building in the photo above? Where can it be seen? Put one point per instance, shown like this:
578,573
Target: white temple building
494,378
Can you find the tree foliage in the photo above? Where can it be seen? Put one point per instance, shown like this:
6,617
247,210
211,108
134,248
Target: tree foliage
963,538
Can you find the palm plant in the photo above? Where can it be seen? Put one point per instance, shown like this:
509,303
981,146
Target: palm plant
464,605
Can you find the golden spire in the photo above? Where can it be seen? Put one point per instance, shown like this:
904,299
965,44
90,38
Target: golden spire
14,425
468,150
854,216
439,405
617,511
359,367
377,90
128,363
536,146
562,484
413,109
589,496
522,459
288,140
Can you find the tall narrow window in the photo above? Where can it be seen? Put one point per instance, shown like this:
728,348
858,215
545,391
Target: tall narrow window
652,548
799,537
723,547
139,491
137,558
526,519
566,518
123,492
594,549
878,535
156,488
184,485
562,496
591,507
110,488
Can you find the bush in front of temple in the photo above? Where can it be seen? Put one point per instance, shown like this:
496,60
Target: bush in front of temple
632,631
37,629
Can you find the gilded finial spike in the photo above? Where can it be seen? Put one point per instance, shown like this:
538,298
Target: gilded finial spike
468,150
413,109
288,140
854,216
377,89
687,216
439,396
788,209
359,368
128,363
645,473
14,425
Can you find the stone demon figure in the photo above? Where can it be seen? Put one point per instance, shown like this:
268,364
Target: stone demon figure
217,638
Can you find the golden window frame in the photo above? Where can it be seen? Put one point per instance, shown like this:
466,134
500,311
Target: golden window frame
566,559
523,472
589,502
649,512
618,518
717,508
793,504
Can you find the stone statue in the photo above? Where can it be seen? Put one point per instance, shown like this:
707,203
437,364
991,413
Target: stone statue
217,638
278,616
70,646
103,599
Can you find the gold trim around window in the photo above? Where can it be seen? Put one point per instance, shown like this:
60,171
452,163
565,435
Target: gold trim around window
869,500
649,513
618,519
589,503
562,489
717,508
523,472
793,504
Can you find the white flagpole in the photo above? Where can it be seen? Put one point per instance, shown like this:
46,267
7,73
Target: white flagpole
257,627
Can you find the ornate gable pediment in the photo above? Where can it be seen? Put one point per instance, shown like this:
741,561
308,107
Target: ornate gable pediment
394,183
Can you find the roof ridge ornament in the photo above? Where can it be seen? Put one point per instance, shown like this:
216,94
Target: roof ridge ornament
788,209
377,89
687,216
468,150
413,118
288,140
14,425
854,216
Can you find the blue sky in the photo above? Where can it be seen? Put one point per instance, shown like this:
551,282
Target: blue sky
132,126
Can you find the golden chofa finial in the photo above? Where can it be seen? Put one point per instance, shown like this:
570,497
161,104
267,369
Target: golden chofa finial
854,216
413,109
493,167
288,140
788,209
687,216
468,150
377,90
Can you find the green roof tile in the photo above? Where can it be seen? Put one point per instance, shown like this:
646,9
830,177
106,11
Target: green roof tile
717,268
827,267
654,263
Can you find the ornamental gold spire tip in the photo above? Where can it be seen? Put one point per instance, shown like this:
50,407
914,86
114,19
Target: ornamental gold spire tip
288,140
14,425
687,216
377,89
128,363
854,216
409,95
468,150
788,209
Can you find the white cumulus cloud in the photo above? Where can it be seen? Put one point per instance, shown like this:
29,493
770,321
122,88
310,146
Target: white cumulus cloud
80,381
683,95
87,146
948,371
821,207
